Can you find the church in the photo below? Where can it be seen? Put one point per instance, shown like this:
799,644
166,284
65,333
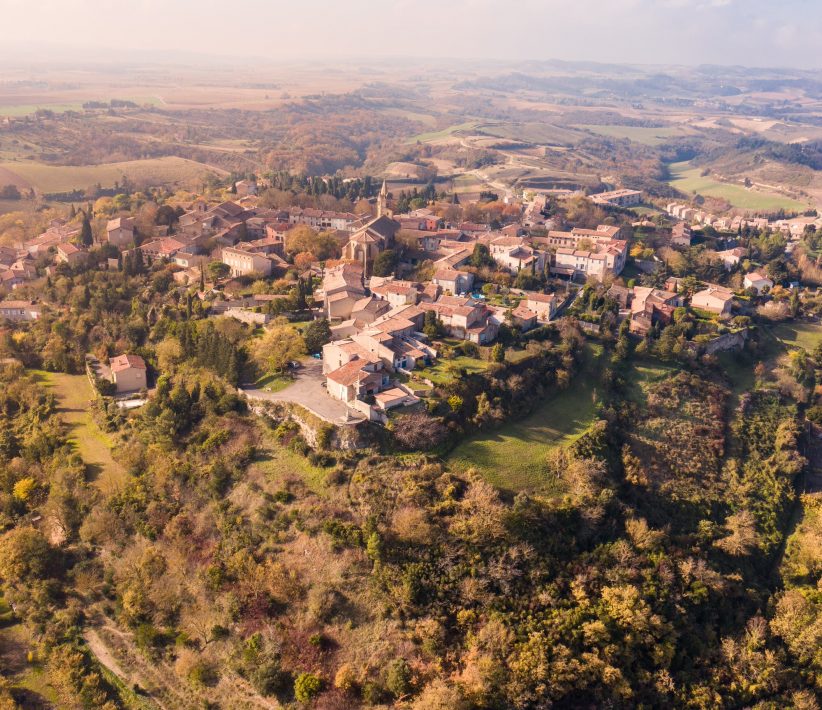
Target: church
374,237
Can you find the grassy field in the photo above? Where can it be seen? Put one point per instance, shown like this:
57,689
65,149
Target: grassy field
644,373
688,180
444,133
73,393
155,171
539,133
15,643
799,335
277,463
63,106
445,370
512,457
638,134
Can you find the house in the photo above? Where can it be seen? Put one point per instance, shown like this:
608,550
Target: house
68,253
757,280
341,289
395,397
618,198
524,318
397,292
120,232
514,254
731,257
243,263
464,318
20,311
164,248
453,280
681,235
356,379
714,299
128,373
322,219
543,304
244,188
652,306
645,296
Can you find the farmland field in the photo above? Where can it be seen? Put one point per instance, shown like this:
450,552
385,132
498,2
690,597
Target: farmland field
513,457
688,180
444,133
540,133
638,134
62,178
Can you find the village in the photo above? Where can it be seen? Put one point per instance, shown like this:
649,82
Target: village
398,289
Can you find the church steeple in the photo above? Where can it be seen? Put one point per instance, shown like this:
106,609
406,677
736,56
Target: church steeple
382,200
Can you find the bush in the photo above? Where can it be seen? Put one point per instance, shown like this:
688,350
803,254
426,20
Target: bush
203,673
398,677
306,686
268,677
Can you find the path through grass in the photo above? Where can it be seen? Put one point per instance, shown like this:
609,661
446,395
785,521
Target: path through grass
74,395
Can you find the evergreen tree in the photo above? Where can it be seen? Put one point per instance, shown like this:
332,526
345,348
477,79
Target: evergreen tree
86,237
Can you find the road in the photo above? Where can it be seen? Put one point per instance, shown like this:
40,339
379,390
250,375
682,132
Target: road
308,391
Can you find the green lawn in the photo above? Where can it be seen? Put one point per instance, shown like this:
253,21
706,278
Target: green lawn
799,335
274,382
446,370
688,180
512,457
74,393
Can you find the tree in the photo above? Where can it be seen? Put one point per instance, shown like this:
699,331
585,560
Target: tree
481,256
86,237
218,270
316,334
278,347
10,192
498,353
385,263
25,556
433,327
306,686
169,354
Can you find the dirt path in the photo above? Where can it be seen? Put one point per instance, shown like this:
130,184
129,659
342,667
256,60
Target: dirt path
104,656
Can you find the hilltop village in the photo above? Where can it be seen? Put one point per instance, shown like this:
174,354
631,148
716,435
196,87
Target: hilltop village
298,441
394,290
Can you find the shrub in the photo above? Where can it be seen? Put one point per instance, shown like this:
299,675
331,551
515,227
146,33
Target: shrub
398,677
346,678
203,673
306,686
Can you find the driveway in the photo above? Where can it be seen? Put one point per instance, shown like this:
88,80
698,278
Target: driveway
307,390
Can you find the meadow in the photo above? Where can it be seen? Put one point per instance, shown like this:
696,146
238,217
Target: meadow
638,134
513,457
429,136
64,178
74,394
688,180
799,335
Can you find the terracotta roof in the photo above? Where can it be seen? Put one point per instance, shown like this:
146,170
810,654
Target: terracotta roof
351,372
126,362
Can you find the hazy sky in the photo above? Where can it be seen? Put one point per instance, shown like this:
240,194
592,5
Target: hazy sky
749,32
